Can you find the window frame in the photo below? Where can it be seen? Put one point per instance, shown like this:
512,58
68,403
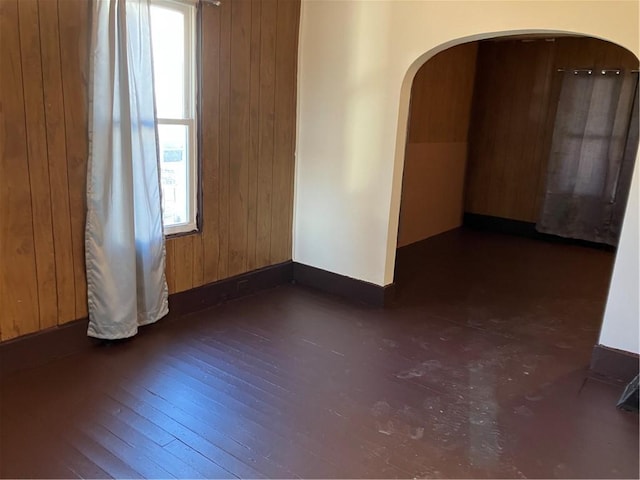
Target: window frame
191,116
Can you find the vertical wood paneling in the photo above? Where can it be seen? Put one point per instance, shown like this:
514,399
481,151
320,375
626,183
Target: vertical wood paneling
284,131
572,52
74,24
254,130
544,131
516,93
183,261
247,134
246,120
210,132
441,96
18,281
293,27
197,259
268,32
38,161
240,97
507,128
224,159
57,154
436,151
170,266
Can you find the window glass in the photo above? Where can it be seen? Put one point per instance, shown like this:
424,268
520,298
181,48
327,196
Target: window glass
173,43
168,61
174,154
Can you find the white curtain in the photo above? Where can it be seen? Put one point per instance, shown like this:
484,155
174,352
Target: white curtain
595,140
124,241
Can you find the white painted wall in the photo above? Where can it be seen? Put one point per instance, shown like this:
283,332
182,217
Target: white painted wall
621,325
357,60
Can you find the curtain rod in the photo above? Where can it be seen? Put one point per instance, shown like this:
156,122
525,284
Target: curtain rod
193,3
589,71
603,71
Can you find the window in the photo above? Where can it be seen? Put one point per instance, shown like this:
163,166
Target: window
173,35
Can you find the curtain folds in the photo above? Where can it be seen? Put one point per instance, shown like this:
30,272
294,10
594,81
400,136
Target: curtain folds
595,140
124,240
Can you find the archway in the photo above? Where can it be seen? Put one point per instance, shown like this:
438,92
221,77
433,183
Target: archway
404,109
353,60
405,136
515,89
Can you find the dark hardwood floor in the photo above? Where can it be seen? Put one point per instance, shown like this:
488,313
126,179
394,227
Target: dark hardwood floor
477,370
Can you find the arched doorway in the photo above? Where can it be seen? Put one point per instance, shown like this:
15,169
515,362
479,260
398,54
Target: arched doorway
353,89
355,57
500,153
516,98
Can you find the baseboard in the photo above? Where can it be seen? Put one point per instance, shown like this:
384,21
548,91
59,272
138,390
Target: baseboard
231,288
614,364
47,345
41,347
523,229
346,287
499,224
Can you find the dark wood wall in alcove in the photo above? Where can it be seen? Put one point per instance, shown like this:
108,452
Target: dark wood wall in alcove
515,96
480,126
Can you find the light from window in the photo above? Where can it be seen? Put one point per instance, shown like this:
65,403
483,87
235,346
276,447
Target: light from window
173,35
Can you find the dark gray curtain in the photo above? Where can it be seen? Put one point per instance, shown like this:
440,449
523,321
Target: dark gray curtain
594,146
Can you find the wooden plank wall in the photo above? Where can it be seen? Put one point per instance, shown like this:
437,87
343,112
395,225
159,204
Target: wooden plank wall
247,141
436,151
441,96
508,126
43,145
516,92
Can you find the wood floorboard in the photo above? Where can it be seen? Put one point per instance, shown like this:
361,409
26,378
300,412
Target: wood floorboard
182,433
17,460
245,425
278,420
205,467
140,424
95,423
97,454
242,389
82,465
139,461
478,370
328,415
282,410
279,407
147,447
219,447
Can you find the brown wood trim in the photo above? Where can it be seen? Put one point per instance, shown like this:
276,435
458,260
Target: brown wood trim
342,286
41,347
523,229
614,364
238,286
57,342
